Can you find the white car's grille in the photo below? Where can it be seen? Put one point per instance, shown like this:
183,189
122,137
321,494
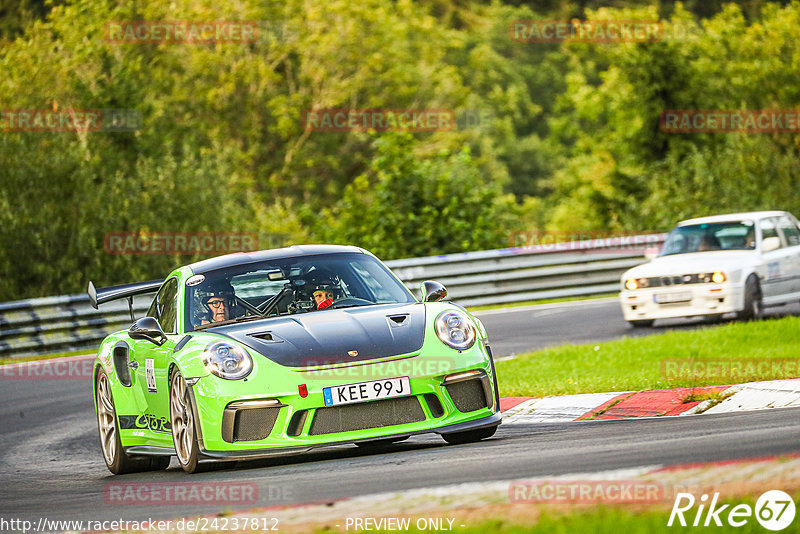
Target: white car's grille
678,280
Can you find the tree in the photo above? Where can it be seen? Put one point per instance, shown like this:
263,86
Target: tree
405,206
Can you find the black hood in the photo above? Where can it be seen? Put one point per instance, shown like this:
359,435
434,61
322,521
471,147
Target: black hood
331,336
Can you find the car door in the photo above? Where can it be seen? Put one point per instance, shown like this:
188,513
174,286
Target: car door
151,362
788,228
776,264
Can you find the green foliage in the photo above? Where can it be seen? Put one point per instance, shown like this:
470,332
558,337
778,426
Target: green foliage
406,205
618,170
568,131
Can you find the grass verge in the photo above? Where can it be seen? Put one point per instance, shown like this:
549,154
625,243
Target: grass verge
597,519
716,355
605,520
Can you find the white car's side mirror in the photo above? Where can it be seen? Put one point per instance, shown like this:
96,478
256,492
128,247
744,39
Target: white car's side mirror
651,253
771,243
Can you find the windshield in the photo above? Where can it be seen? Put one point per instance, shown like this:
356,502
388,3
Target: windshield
290,286
739,235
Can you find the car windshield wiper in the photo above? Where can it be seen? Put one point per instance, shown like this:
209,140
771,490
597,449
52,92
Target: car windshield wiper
348,303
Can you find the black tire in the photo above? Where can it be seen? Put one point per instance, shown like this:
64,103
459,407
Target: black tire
642,323
494,380
470,436
377,443
753,304
159,463
713,318
117,461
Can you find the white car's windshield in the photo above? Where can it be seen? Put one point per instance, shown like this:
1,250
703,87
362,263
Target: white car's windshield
738,235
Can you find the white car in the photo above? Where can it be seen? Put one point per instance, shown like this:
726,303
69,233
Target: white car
710,266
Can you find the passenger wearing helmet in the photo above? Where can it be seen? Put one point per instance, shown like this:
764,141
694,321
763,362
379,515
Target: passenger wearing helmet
323,297
323,290
214,302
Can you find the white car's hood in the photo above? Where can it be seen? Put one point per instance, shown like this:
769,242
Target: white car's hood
694,262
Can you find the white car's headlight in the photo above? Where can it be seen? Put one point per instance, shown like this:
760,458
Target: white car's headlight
227,360
631,284
455,330
718,277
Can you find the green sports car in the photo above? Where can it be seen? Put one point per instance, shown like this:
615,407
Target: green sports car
279,351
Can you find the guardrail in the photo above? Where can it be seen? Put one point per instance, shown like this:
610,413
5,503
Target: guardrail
572,269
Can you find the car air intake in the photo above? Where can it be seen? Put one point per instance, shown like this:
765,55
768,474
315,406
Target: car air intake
249,424
434,405
365,415
122,363
469,395
295,427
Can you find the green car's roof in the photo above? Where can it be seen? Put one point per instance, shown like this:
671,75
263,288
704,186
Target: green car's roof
241,258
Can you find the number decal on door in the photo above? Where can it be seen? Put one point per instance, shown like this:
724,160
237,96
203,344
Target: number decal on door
150,374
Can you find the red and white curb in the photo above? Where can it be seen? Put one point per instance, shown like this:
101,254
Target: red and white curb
759,396
654,403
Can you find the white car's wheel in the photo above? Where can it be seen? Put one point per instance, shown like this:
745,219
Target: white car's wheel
753,304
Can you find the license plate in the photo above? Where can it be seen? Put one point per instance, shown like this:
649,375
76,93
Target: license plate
367,391
666,298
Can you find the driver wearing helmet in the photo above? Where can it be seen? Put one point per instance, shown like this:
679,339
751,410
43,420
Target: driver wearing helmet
214,302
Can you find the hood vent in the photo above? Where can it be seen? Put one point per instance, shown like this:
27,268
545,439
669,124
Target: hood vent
267,337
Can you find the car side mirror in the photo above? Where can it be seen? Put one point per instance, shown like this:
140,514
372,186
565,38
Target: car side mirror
771,243
149,329
651,253
432,291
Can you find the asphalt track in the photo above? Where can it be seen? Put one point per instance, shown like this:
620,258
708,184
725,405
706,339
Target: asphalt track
51,464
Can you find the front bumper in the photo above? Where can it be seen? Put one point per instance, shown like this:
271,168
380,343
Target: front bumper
297,423
492,420
681,301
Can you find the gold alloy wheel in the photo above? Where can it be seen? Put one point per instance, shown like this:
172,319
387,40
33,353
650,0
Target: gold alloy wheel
106,419
181,418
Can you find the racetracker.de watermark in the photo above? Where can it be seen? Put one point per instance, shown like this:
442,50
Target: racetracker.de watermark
586,491
379,120
188,493
586,240
79,368
733,370
181,31
730,121
585,31
182,243
70,120
314,368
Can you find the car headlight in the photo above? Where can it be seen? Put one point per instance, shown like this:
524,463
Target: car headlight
718,277
227,360
455,330
631,284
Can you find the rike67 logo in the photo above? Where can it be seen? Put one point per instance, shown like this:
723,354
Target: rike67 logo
774,510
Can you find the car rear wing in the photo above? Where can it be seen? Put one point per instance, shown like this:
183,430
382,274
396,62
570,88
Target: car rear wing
107,294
